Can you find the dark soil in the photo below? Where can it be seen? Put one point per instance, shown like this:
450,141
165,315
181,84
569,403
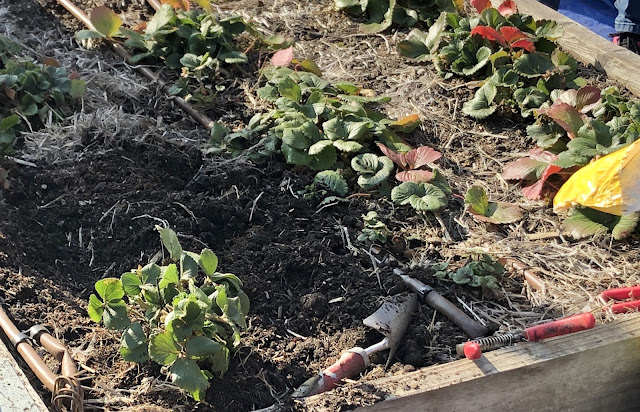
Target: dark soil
64,229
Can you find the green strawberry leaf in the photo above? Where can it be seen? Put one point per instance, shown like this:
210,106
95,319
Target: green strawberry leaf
482,104
115,315
201,347
105,21
208,262
133,345
186,375
169,276
95,308
333,181
170,241
163,348
131,283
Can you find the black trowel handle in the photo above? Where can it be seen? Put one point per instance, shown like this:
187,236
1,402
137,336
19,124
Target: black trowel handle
442,305
455,315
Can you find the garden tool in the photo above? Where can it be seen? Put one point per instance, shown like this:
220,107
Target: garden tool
611,184
442,305
67,394
629,299
391,320
473,349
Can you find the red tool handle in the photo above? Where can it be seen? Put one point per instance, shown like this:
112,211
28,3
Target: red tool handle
350,364
624,307
472,350
559,327
632,292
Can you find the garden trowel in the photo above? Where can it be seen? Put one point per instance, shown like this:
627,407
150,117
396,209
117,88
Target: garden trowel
391,320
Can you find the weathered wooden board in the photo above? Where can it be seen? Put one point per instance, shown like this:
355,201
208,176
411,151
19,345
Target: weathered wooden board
618,63
593,370
16,393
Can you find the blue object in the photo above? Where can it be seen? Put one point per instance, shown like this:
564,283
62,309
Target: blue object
597,15
554,4
628,19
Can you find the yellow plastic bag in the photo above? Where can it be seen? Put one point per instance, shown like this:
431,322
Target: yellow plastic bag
610,184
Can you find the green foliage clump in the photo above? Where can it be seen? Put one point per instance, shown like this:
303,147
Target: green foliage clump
31,94
184,315
480,272
375,230
423,196
195,41
381,14
314,123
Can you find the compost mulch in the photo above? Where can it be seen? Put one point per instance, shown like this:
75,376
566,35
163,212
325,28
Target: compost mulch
86,194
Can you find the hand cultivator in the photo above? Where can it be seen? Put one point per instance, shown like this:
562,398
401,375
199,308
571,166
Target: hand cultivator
391,320
66,390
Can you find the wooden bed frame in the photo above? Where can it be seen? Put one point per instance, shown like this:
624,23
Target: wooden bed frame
592,370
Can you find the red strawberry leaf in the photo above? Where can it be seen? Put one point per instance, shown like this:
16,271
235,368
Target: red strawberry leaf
9,92
587,98
417,176
517,39
536,167
542,155
50,61
421,156
407,124
507,8
523,168
397,157
490,34
282,57
481,4
534,192
525,44
512,34
567,116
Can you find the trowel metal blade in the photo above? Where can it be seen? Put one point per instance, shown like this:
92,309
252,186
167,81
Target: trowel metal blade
392,319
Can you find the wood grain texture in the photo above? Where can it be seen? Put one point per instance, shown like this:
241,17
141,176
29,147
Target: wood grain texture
16,393
587,47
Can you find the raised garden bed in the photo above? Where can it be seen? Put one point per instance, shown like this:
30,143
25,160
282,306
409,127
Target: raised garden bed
130,159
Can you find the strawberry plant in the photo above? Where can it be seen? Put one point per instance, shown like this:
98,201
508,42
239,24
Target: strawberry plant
196,42
315,123
424,196
184,315
372,170
479,272
8,50
536,168
381,14
31,94
479,206
585,222
375,230
412,162
332,181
